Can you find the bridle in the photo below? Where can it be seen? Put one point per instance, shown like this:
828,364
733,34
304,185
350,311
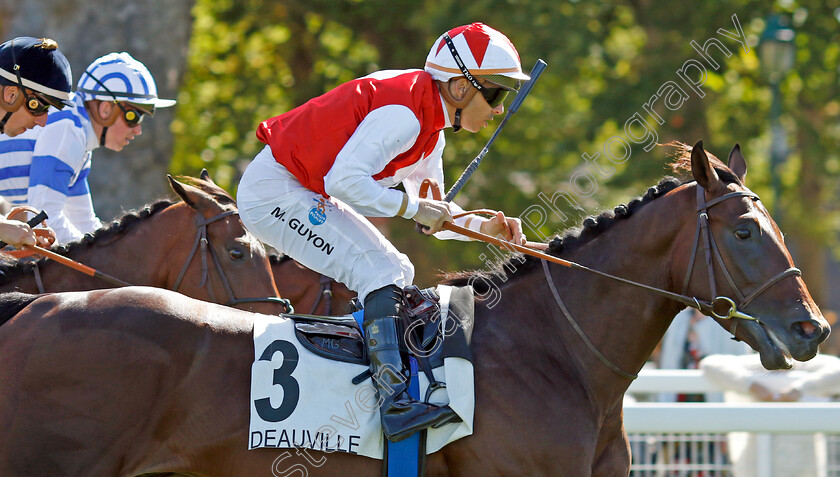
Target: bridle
202,241
712,308
711,249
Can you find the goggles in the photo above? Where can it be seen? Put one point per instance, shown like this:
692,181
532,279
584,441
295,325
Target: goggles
38,105
133,115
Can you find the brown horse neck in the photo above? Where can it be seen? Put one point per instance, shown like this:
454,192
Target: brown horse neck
623,323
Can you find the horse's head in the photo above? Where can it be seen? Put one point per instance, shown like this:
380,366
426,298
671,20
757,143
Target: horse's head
744,258
227,264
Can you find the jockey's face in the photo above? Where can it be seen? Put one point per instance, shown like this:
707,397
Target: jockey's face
478,114
120,134
21,119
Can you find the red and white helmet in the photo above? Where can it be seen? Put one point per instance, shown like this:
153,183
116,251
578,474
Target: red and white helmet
483,51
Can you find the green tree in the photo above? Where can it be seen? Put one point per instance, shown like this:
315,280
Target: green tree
251,60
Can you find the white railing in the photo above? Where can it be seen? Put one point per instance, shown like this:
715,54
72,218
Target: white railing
689,439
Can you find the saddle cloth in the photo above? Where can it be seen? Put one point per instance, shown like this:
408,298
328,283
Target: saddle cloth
301,399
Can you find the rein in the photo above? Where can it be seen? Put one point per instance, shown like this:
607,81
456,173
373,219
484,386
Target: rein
721,307
202,242
326,295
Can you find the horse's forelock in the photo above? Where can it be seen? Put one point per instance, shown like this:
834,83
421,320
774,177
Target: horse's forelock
681,163
217,193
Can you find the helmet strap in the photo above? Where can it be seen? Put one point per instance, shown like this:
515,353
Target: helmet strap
456,123
4,120
459,104
92,108
9,107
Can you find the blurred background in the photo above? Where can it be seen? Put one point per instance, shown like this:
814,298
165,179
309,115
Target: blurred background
758,73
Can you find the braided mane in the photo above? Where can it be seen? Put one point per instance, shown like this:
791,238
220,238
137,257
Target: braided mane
12,269
592,227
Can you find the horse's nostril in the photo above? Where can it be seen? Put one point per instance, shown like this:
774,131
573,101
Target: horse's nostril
805,329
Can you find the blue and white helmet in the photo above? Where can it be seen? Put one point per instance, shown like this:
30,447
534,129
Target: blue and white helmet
119,77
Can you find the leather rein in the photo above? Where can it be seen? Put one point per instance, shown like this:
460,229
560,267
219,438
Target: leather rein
721,307
711,254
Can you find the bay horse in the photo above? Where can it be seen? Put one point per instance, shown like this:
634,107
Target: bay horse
197,246
142,381
307,290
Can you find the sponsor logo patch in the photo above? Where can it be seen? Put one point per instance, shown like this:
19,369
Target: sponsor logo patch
318,214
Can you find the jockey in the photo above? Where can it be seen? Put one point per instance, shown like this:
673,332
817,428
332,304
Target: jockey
332,161
113,96
34,75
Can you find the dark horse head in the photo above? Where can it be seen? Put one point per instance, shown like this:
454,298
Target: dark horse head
747,262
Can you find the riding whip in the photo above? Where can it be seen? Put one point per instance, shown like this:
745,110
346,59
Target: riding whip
76,265
536,71
42,216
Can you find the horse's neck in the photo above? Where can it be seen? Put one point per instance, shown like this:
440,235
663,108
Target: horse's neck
623,323
139,255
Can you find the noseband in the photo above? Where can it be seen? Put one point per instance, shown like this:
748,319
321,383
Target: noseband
203,241
719,303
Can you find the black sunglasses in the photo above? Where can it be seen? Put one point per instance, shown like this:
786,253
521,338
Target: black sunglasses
494,96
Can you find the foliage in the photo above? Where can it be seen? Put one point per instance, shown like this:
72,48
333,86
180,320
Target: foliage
254,59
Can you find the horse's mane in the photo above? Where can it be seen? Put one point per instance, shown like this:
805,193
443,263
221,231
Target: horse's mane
592,227
11,269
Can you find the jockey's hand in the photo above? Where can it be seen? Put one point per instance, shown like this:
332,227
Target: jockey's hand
45,237
432,213
507,228
16,233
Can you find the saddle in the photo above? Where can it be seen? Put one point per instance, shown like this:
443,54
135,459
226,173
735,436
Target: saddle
425,335
314,385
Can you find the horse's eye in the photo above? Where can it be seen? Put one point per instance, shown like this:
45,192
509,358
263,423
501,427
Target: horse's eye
236,254
743,234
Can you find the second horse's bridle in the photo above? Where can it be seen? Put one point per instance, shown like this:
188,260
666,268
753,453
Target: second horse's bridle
202,242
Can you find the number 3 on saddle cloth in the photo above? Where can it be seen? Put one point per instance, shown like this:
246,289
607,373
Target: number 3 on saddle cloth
311,388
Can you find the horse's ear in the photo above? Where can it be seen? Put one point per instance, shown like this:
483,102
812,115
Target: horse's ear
205,176
702,169
193,196
737,162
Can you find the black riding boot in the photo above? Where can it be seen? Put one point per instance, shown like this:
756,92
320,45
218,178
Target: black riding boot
401,415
